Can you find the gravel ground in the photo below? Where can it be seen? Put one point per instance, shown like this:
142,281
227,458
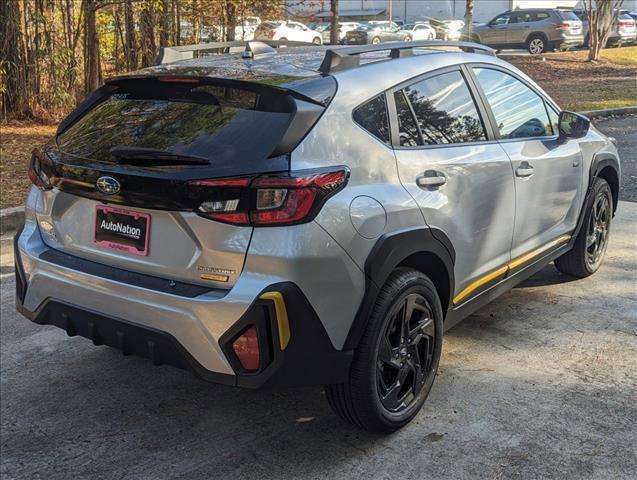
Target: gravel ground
539,384
625,130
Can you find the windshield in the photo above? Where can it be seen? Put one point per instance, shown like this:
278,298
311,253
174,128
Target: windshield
568,15
220,124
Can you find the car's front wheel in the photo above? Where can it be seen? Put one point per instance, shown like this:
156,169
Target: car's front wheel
375,41
317,41
589,248
397,357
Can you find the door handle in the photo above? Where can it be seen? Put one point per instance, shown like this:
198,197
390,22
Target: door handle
524,170
431,179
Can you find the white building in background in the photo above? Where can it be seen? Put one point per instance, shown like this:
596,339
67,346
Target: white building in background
413,10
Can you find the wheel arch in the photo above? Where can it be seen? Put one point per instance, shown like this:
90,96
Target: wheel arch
428,250
606,166
540,34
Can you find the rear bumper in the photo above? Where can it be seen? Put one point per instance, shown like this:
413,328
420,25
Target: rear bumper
570,41
192,330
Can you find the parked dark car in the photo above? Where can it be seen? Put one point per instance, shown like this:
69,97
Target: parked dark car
376,33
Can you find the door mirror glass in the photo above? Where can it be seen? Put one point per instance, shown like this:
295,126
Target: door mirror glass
573,125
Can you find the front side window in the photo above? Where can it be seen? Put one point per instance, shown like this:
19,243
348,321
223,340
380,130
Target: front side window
372,116
445,110
519,112
500,20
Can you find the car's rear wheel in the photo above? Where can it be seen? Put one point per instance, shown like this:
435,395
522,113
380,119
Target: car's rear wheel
536,45
591,243
375,41
408,38
397,357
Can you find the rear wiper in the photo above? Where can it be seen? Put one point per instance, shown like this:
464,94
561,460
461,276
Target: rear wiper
126,154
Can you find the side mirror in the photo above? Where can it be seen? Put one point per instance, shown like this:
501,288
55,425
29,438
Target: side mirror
573,125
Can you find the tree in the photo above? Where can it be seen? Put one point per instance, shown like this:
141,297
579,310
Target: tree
92,68
334,22
12,62
468,18
602,14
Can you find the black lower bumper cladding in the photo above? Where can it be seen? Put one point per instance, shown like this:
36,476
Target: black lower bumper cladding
308,359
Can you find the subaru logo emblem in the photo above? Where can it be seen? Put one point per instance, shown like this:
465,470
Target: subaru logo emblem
107,185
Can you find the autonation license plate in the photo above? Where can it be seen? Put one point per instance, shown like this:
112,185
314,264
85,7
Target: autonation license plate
122,230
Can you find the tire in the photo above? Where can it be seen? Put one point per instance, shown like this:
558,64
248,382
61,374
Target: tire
375,41
408,38
388,386
317,41
536,44
589,248
283,39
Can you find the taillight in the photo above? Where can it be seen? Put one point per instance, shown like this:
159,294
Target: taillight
36,173
562,26
272,33
626,23
246,348
268,200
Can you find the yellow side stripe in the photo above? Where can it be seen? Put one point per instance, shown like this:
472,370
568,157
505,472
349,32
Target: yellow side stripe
281,317
538,251
500,272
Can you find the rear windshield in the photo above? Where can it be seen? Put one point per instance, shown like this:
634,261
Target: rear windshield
567,15
217,123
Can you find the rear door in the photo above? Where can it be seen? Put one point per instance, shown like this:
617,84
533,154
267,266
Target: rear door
518,28
461,178
548,172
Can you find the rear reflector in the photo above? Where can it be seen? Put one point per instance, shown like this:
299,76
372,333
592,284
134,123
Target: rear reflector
269,200
246,347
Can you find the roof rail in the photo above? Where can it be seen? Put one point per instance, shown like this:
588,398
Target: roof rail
252,48
348,57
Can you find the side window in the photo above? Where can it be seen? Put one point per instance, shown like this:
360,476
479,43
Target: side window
372,116
519,112
407,128
539,16
445,110
500,20
555,120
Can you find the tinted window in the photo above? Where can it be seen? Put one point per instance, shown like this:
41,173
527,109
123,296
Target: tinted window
500,20
407,129
445,110
522,17
519,111
567,15
372,116
223,125
541,16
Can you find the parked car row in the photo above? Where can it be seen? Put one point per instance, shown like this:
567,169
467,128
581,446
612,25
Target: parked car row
544,29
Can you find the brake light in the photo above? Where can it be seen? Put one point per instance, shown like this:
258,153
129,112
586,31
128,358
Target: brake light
36,174
626,23
268,200
272,33
246,347
562,26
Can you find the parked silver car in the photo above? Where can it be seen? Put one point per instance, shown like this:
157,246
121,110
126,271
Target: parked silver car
260,224
537,30
624,30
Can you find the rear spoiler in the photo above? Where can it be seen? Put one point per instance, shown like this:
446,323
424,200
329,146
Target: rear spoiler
249,48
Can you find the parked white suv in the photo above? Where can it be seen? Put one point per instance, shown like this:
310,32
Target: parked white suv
293,31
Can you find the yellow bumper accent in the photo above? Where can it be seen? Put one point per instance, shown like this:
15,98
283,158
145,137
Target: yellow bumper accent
281,316
500,272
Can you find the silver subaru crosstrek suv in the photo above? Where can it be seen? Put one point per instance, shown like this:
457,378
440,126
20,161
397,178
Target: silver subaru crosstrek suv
309,216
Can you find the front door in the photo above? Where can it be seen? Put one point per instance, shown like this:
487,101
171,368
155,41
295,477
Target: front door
548,172
462,182
496,33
